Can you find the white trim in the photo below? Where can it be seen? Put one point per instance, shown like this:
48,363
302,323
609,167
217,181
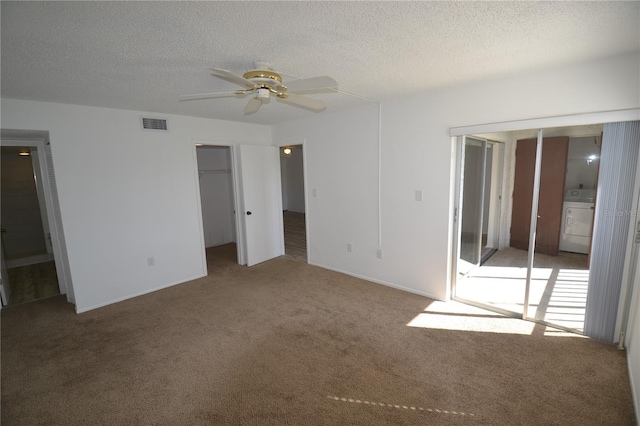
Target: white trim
240,253
42,199
241,237
379,176
203,249
452,224
495,192
306,199
142,293
547,122
380,282
303,143
533,222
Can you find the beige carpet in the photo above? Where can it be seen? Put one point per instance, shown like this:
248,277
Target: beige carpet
285,343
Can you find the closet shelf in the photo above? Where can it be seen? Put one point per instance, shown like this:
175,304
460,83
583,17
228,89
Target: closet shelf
203,172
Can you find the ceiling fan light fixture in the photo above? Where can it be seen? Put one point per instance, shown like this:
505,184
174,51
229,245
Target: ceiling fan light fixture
263,94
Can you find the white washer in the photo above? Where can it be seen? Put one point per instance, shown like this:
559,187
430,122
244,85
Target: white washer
577,220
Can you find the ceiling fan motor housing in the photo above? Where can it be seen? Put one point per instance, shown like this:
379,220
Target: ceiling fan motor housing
266,79
263,94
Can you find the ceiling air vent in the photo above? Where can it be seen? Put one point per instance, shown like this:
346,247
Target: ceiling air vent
154,124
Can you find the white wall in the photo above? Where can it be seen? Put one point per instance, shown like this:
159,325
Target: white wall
292,174
633,343
126,194
579,172
417,154
216,195
344,208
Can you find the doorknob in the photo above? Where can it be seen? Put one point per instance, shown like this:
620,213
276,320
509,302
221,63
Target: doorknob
248,213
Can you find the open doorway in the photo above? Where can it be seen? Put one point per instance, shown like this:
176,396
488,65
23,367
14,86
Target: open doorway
217,201
481,193
27,247
554,289
293,202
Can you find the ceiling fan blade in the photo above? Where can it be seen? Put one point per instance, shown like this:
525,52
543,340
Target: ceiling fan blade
201,96
233,78
304,102
252,106
312,84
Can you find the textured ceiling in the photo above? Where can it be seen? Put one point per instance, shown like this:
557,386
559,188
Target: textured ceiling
143,55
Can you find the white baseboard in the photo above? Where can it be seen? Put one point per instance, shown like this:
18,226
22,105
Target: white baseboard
142,293
376,281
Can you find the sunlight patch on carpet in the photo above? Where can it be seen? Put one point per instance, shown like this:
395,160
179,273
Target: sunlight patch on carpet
466,322
461,317
398,406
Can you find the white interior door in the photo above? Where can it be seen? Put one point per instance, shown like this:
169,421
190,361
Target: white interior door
261,202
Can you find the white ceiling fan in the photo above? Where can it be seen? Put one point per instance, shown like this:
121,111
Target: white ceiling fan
263,81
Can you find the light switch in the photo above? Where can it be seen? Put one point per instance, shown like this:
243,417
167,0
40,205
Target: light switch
418,195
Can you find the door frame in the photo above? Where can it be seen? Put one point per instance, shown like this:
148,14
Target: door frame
240,219
495,212
240,251
460,199
496,192
5,285
457,222
533,224
303,143
537,123
57,237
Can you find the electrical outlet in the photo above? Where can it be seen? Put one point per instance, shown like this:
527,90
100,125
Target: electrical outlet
349,247
151,261
379,253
